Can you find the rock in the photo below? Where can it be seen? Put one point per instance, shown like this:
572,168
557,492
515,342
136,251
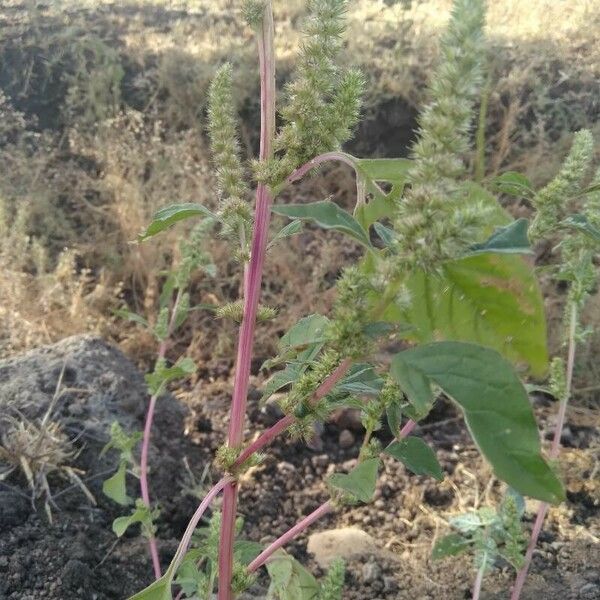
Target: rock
589,591
99,386
348,418
345,542
371,572
346,439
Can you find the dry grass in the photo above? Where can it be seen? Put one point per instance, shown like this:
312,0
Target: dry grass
109,126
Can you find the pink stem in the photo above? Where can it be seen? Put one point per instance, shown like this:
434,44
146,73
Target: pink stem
314,516
554,451
311,164
144,481
289,535
479,581
270,434
145,488
253,279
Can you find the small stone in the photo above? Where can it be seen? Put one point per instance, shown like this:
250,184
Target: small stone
344,542
371,572
346,439
321,460
389,584
592,575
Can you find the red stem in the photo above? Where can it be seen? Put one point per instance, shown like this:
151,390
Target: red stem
554,451
289,535
252,284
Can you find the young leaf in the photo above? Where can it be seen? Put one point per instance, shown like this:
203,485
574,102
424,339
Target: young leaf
497,412
289,579
165,217
115,488
393,413
141,514
361,379
360,482
159,590
468,523
450,545
491,299
369,171
328,215
308,330
163,375
513,184
417,456
511,239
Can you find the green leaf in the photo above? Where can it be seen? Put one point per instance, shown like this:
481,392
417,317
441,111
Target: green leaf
308,330
468,523
289,579
417,456
386,234
128,315
122,442
513,184
162,375
496,409
165,217
189,578
361,379
115,487
393,413
370,173
511,239
141,514
246,551
475,195
581,223
360,482
289,230
328,215
415,386
280,379
159,590
491,299
450,545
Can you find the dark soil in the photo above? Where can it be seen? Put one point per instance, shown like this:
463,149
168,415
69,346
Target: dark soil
77,556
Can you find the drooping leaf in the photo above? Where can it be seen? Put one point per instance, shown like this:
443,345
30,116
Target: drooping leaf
189,578
491,299
165,217
450,545
128,315
292,228
360,482
159,590
393,413
415,386
417,456
385,233
115,487
328,215
581,223
361,379
513,184
496,409
308,330
511,239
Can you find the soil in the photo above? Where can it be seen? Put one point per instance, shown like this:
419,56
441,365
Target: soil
78,557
